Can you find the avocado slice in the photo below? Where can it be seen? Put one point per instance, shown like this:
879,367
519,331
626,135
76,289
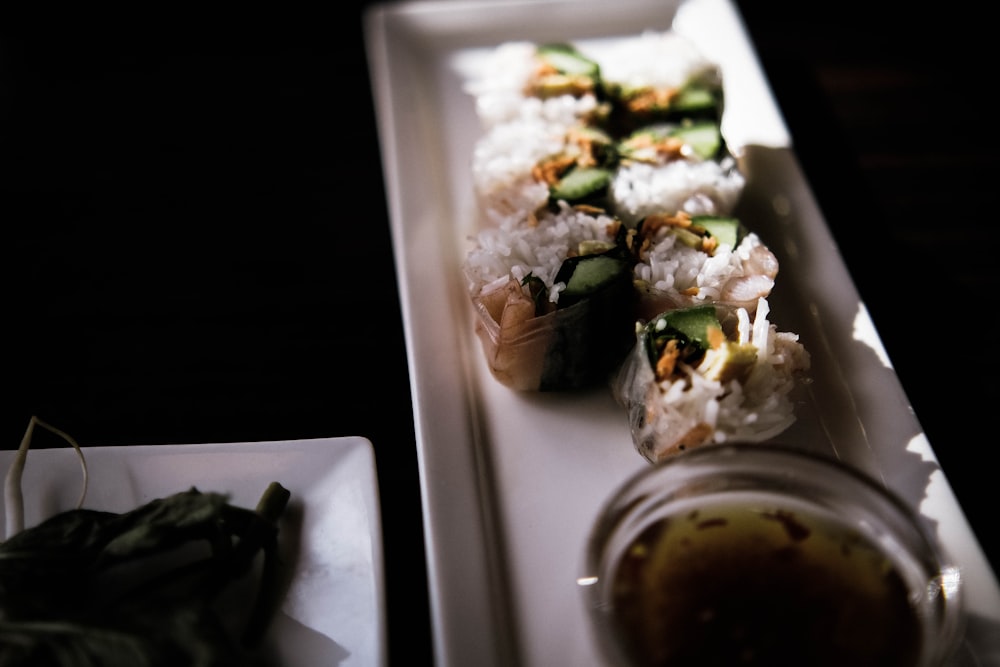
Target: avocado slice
730,361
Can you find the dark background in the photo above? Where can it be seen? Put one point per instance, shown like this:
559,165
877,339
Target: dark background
196,245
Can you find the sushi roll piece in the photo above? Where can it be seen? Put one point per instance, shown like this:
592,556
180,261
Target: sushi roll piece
521,168
682,166
553,301
555,83
686,260
659,77
704,374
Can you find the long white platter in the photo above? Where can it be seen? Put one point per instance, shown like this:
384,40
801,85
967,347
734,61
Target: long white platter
511,482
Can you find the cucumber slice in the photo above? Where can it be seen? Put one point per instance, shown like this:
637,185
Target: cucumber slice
581,183
687,326
703,137
567,60
725,229
691,323
694,98
587,274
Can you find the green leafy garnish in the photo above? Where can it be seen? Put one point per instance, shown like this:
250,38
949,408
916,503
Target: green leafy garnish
142,588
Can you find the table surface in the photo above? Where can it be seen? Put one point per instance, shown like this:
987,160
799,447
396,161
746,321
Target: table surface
197,249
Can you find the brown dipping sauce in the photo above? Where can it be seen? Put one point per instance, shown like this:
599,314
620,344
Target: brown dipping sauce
735,585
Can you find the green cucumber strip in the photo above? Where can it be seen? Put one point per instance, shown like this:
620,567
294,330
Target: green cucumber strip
725,229
590,273
694,98
704,138
568,60
691,323
580,183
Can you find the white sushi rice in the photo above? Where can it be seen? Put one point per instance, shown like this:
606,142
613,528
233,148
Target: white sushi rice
502,164
657,59
516,250
499,84
696,187
675,268
759,408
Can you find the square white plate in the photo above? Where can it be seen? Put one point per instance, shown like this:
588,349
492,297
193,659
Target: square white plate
333,612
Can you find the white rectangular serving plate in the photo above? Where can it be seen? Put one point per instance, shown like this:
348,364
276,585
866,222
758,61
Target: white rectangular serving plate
511,481
333,612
